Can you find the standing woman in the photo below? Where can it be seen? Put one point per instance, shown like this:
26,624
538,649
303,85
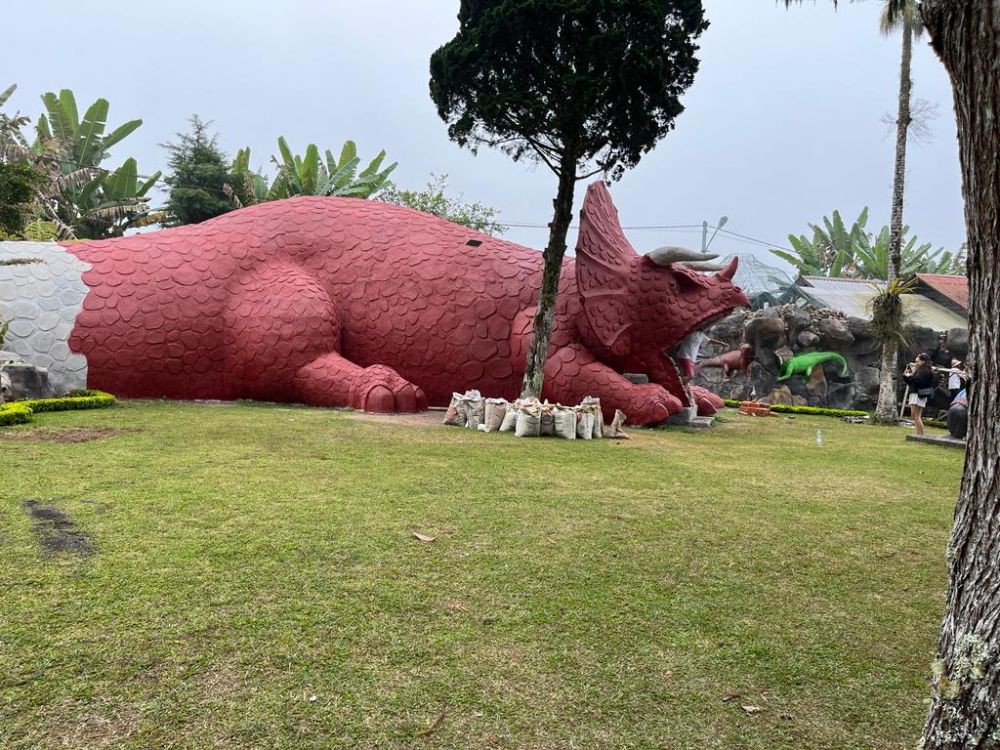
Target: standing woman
920,377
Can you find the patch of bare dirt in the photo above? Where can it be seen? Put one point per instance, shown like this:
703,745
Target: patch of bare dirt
62,434
56,531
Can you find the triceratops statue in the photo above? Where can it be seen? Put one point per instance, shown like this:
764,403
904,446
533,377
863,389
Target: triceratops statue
347,302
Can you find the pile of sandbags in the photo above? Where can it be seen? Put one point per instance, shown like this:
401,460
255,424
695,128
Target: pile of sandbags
533,418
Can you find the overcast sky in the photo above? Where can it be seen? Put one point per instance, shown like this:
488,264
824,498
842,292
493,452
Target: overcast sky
782,125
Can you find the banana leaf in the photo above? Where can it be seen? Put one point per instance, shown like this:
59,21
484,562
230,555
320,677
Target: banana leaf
88,149
7,93
61,128
119,133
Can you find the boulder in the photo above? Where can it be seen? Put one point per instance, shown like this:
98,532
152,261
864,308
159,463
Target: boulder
807,340
780,395
27,381
766,332
816,385
958,343
836,333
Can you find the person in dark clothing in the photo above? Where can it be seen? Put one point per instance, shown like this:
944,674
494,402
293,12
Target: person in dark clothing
958,416
920,377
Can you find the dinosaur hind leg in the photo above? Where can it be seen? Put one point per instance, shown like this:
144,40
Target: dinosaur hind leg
333,380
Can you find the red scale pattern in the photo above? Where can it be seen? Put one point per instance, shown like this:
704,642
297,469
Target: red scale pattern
346,302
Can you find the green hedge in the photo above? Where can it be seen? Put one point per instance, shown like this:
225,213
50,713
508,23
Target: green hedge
815,411
76,400
19,412
14,413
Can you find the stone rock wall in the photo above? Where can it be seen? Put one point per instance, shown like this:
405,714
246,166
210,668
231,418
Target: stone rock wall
779,333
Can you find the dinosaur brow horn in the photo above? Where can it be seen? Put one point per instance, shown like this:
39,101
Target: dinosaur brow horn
697,265
664,256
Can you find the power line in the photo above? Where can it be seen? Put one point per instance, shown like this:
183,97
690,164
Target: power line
679,228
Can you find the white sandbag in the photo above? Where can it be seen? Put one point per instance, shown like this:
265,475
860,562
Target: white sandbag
510,417
529,420
584,423
615,429
547,423
455,416
496,410
593,404
475,410
565,423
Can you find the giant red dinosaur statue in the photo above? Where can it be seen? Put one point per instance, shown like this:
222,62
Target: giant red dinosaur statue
346,302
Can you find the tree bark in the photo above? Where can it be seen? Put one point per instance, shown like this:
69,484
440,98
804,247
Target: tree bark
885,410
538,351
965,707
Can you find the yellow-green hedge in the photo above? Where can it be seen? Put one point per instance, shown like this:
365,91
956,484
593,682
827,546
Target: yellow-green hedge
19,412
14,413
815,411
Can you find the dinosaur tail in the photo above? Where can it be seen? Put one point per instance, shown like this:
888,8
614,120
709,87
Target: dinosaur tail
843,364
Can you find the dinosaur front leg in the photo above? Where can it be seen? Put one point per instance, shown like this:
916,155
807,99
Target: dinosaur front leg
333,380
572,373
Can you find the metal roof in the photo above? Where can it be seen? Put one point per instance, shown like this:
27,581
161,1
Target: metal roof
853,298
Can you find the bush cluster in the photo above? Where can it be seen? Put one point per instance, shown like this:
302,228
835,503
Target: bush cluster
19,412
14,413
815,411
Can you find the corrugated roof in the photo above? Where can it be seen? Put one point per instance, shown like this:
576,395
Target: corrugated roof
955,288
856,303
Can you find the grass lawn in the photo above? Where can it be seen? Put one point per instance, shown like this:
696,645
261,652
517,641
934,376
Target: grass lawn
250,579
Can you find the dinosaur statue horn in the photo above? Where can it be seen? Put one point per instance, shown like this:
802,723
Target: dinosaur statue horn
664,256
730,270
697,265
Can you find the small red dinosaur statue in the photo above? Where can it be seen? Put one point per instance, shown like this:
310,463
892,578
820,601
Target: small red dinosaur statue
733,361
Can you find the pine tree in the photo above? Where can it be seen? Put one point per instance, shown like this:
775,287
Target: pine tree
198,172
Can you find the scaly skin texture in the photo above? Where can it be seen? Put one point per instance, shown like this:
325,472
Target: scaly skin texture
346,302
804,364
731,362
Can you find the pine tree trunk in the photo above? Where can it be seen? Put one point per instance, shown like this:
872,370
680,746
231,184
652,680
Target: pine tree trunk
534,367
965,707
885,411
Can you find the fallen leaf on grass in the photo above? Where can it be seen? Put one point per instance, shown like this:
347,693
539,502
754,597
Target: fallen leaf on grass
433,726
730,696
752,709
423,537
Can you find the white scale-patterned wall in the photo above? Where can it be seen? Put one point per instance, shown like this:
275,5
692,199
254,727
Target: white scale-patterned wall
41,300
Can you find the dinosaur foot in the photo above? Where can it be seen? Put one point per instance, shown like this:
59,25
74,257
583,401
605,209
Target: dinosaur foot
381,389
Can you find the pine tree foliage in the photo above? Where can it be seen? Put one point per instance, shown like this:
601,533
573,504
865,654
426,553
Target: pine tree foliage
197,177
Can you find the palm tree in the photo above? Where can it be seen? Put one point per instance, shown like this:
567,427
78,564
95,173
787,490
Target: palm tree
897,15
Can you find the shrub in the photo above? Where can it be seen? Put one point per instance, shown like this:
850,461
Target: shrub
815,411
76,400
14,413
19,412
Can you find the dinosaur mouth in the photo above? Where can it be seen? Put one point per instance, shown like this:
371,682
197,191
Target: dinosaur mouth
675,382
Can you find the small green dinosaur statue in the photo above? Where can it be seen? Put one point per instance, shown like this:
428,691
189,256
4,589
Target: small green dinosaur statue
804,363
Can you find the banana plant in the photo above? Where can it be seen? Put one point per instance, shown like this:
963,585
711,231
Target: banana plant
308,174
117,201
839,252
81,197
830,252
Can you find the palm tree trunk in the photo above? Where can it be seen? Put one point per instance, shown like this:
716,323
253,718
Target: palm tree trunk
965,707
885,410
538,351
